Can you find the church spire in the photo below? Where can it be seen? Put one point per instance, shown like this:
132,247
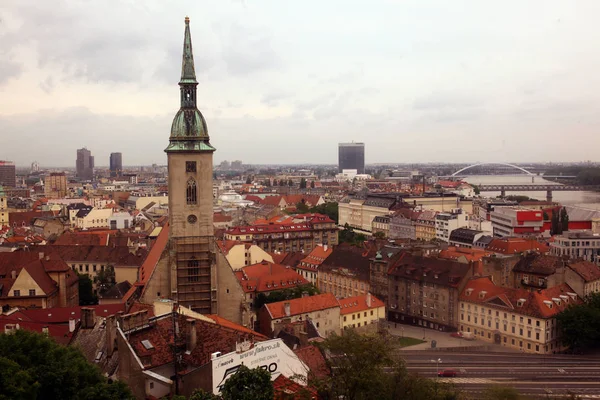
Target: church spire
188,72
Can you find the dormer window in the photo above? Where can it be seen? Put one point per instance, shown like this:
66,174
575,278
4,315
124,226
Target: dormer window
556,300
469,291
548,303
520,302
482,294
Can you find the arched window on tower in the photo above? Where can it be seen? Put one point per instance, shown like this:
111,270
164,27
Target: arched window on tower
193,270
191,192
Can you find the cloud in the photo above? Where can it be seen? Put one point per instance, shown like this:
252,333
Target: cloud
9,69
274,98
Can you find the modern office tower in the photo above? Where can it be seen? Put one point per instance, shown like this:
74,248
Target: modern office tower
8,174
85,164
116,164
351,156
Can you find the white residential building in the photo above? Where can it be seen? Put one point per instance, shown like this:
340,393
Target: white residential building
445,223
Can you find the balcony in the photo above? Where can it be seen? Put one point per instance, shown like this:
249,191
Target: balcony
536,284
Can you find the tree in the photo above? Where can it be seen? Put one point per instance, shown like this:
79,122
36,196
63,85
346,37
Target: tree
284,294
312,184
86,290
301,207
579,324
330,209
248,384
290,183
105,279
379,235
303,183
248,180
369,367
476,190
564,220
34,366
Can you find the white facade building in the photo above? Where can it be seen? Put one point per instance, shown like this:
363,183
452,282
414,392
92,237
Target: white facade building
445,223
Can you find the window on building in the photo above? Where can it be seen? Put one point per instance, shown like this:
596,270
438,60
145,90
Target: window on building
191,192
16,293
190,166
193,270
32,292
344,319
537,336
521,331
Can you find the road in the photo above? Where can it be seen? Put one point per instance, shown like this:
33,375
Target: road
540,375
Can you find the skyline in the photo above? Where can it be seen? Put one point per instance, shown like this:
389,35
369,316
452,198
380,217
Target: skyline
499,83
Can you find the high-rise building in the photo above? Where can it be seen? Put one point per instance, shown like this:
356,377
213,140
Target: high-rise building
8,173
351,156
116,164
55,185
35,166
190,171
85,164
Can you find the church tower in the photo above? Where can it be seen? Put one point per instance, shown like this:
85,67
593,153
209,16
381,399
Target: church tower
190,160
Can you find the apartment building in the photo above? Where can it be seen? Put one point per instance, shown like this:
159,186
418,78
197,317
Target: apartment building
516,318
361,311
514,221
309,265
577,245
288,237
424,291
447,222
345,272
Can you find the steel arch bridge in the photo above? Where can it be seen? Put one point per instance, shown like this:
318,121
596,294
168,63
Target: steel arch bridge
497,163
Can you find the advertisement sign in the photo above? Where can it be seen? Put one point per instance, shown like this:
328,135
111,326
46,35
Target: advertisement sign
271,355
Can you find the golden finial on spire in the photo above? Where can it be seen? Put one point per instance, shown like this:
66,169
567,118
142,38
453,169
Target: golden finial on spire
187,19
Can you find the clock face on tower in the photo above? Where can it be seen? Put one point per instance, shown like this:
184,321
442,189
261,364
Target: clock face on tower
192,219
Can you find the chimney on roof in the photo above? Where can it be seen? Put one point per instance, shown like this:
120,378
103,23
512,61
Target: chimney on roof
71,325
88,318
45,330
325,247
190,334
13,274
305,294
287,309
369,300
47,258
41,255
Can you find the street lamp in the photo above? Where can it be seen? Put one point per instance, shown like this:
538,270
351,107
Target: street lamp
437,365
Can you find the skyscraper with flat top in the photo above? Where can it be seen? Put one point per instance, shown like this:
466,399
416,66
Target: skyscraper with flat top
8,174
190,165
351,156
116,164
85,164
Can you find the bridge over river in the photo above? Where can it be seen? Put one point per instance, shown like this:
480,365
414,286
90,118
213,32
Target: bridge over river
535,188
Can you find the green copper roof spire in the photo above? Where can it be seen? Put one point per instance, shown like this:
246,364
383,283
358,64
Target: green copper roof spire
189,133
188,72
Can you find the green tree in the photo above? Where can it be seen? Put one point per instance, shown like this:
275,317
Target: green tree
476,190
86,290
564,220
303,183
54,371
330,209
248,384
285,294
105,279
369,367
312,184
379,235
579,324
290,183
248,180
281,182
301,207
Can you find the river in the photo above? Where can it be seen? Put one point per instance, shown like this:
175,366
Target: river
582,199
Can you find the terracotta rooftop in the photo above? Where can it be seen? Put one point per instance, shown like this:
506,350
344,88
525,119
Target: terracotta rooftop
316,257
266,276
586,270
538,304
302,305
115,255
314,360
538,264
454,253
431,270
211,337
516,245
354,304
348,259
287,389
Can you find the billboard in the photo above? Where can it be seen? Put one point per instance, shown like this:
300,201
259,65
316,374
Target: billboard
271,355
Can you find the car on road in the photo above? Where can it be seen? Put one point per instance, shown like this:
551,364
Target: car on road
447,373
463,335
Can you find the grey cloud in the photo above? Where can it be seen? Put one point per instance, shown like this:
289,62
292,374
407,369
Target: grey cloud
9,69
247,50
438,101
274,98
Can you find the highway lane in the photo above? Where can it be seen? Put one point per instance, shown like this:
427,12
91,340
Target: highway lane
539,375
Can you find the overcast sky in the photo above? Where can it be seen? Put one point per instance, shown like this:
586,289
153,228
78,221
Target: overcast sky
285,81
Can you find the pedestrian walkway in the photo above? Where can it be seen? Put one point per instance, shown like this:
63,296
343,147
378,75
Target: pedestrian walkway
442,339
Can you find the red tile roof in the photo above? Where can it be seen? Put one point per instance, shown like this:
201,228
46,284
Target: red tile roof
286,389
84,238
60,333
354,304
454,253
228,324
266,276
61,315
314,360
587,270
303,305
516,245
149,264
539,304
218,217
211,338
315,257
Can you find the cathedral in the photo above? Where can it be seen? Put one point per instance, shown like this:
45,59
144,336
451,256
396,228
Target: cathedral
191,257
